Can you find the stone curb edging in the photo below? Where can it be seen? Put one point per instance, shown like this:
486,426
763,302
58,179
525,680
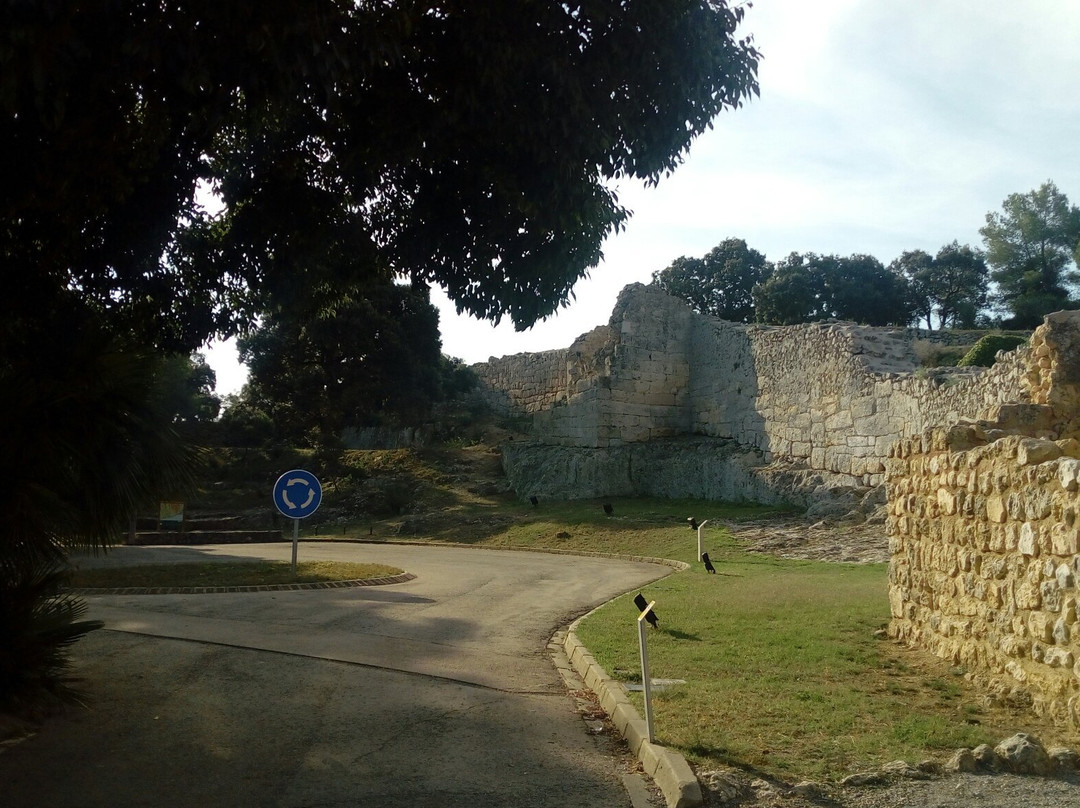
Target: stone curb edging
214,590
668,769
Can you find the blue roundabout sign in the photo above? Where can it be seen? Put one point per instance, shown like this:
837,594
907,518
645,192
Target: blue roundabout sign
297,494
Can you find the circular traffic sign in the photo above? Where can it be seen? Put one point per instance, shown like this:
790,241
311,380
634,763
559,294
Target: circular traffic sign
297,493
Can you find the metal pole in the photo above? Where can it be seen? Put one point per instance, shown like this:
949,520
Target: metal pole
699,548
295,541
645,681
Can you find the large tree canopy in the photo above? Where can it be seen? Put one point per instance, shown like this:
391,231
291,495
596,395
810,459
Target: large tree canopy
720,284
952,285
357,359
809,287
1030,247
468,144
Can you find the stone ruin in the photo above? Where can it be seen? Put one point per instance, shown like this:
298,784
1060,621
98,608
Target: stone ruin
985,535
977,470
666,402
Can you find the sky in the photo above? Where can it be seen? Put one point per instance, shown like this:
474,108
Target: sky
882,126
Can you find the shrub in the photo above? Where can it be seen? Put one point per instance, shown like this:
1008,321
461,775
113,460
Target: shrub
38,623
983,352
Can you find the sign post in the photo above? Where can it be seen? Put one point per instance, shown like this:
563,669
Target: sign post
645,681
699,529
297,494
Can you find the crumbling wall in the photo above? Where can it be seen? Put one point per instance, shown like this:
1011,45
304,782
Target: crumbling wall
985,535
828,398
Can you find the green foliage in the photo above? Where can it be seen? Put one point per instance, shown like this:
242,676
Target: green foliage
38,623
983,352
721,284
792,294
338,130
1030,247
186,386
363,358
808,288
861,289
244,424
952,285
89,434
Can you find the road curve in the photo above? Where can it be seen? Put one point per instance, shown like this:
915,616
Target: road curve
437,691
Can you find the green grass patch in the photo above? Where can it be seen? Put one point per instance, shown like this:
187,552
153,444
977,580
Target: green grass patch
232,573
784,674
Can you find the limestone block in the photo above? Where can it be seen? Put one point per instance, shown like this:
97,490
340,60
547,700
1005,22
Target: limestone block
1062,633
1052,597
1069,473
1058,658
946,501
996,509
1029,539
1015,646
1027,595
1063,576
1032,451
1064,540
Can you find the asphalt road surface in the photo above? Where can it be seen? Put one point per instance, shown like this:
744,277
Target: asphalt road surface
435,692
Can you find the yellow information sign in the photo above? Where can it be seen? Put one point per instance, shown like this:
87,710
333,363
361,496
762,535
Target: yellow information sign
172,513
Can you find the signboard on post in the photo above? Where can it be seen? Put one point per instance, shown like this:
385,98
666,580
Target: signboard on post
645,680
171,516
297,494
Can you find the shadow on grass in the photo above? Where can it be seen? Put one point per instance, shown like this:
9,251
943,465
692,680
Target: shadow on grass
680,635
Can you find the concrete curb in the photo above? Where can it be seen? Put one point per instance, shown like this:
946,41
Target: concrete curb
668,769
215,590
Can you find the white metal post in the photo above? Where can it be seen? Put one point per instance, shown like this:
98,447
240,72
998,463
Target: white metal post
645,681
295,541
700,550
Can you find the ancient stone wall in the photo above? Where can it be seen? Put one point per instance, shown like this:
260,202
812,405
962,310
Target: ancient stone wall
826,398
985,534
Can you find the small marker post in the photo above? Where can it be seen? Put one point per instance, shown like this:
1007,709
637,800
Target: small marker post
645,682
700,550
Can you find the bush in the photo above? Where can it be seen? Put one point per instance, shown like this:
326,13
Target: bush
38,623
983,353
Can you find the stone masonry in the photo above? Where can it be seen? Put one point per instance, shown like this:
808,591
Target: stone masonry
985,532
772,413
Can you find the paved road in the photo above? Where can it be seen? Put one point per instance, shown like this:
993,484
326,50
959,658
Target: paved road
435,692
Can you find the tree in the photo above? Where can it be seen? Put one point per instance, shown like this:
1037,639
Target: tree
371,357
917,266
861,289
809,287
721,284
958,284
186,384
92,438
951,285
794,292
468,144
1030,247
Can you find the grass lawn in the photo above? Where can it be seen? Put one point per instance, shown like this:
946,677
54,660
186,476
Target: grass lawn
232,573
